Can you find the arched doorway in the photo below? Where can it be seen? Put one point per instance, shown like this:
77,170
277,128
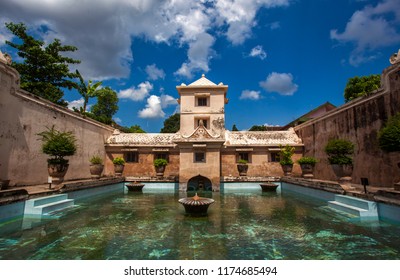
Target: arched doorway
199,183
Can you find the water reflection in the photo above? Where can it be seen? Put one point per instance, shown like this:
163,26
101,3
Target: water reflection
239,225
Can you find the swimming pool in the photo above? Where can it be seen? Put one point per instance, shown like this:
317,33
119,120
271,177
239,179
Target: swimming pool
246,225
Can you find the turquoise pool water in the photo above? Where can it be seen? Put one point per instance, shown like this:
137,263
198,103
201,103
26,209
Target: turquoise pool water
244,225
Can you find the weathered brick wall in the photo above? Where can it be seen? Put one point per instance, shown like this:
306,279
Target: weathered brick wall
23,115
260,165
145,165
358,121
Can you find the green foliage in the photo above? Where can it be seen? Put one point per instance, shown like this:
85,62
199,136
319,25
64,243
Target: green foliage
118,161
389,135
242,161
360,86
258,128
234,128
286,154
57,144
106,106
172,124
132,129
339,151
96,160
43,70
160,162
86,90
307,160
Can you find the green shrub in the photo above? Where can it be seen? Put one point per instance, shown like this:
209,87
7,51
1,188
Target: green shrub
339,151
242,161
286,154
160,162
119,161
389,135
57,144
307,160
96,160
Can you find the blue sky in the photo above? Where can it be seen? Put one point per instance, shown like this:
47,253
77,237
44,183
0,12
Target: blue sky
280,58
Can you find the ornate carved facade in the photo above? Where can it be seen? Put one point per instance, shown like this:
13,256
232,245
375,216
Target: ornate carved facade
202,153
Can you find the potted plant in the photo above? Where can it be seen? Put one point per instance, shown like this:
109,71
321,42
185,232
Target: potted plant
242,167
119,164
160,165
339,153
286,161
57,144
307,166
96,166
389,138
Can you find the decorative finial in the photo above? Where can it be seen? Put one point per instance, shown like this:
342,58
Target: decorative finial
395,58
202,75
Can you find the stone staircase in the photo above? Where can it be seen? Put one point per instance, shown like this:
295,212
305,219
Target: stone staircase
355,206
47,205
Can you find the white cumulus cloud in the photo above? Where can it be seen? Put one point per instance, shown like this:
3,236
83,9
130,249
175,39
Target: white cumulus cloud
259,52
137,93
77,104
154,73
250,94
103,30
281,83
153,108
167,100
369,29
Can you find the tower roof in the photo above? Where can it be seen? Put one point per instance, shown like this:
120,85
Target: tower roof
203,81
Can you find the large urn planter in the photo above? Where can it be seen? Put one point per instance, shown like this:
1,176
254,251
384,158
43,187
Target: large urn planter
159,165
4,184
57,172
118,169
286,153
119,164
287,169
307,166
160,171
343,172
242,169
96,170
57,144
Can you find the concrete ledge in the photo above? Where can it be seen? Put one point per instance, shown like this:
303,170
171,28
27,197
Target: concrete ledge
328,186
171,179
76,186
388,197
11,196
250,179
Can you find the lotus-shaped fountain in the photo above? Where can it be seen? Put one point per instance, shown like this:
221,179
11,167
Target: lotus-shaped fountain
268,187
135,187
196,205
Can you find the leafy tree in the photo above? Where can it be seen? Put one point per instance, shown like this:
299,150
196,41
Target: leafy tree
106,106
234,128
389,135
258,128
133,129
86,90
360,86
339,151
44,71
172,124
58,144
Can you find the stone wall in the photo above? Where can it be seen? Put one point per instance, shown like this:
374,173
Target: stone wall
145,165
260,165
358,121
23,115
